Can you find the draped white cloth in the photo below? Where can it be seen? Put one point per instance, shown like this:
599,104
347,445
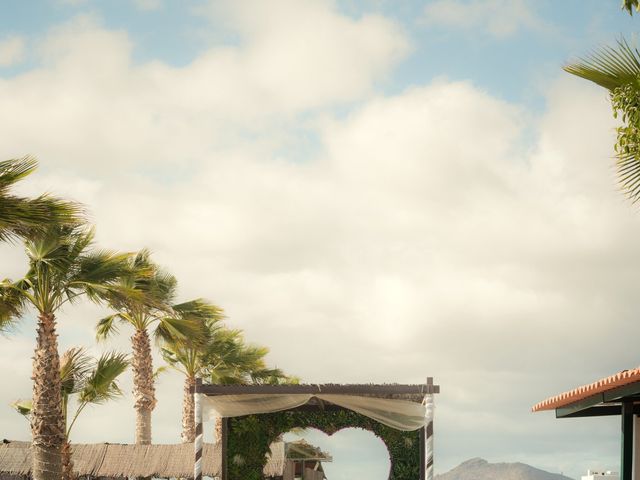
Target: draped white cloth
398,414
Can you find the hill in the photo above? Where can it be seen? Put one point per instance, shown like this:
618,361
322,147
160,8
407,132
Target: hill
480,469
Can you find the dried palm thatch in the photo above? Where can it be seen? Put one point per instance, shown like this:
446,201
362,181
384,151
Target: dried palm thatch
120,461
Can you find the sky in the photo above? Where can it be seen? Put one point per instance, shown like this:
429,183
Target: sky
378,191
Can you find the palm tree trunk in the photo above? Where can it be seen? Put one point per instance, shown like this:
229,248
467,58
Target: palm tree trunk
47,422
188,407
67,462
143,389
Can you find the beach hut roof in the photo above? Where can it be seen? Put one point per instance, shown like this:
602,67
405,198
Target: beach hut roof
119,461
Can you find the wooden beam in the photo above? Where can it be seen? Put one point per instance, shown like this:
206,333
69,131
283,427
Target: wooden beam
576,407
224,472
593,411
623,392
608,409
423,451
626,450
353,389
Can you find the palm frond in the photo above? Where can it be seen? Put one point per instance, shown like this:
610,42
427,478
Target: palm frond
23,407
24,217
12,304
102,267
102,384
158,286
610,67
15,169
159,371
107,326
629,6
75,366
200,309
182,330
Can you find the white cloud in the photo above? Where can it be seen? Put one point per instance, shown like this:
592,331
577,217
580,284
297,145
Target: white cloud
283,70
12,50
500,18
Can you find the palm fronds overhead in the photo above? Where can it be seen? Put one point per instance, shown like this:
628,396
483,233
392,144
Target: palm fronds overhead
618,70
22,217
610,67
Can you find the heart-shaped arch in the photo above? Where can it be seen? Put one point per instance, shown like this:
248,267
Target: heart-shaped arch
249,438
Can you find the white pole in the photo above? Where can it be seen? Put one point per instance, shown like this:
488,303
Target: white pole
429,404
197,444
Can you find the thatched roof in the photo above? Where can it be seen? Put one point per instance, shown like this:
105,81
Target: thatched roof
117,460
301,450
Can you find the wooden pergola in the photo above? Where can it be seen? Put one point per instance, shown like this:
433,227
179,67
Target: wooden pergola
618,394
421,393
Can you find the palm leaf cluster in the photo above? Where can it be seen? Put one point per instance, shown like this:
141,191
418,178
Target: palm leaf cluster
223,358
63,267
618,70
158,288
88,380
22,217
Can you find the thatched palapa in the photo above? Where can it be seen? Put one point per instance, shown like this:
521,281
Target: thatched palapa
121,461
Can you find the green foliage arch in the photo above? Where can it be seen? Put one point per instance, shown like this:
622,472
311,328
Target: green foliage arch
249,438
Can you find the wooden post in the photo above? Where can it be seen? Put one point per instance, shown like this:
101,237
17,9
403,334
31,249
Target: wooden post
626,460
636,447
224,473
429,403
197,444
423,453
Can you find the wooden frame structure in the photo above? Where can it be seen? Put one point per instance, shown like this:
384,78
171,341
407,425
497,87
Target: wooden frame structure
425,392
618,394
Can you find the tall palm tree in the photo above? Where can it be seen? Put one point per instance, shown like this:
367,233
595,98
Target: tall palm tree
169,321
19,216
618,70
91,381
186,357
63,267
222,358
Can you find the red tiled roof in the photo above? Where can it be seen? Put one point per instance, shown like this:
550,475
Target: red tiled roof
624,377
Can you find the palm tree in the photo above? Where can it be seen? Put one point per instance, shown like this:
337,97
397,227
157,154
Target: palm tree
222,358
618,70
19,216
92,381
170,322
63,267
186,357
229,360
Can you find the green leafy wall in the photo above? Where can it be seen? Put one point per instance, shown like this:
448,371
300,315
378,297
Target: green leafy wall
250,436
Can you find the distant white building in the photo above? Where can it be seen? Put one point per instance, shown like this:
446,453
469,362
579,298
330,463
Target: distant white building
601,475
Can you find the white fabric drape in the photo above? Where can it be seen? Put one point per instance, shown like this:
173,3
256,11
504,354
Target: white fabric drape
398,414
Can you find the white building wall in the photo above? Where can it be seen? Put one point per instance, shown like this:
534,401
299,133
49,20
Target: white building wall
601,475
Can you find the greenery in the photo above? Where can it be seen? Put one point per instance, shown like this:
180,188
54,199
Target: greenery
22,217
250,436
92,381
618,70
630,5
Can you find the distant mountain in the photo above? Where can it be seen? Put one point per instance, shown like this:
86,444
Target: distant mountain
480,469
